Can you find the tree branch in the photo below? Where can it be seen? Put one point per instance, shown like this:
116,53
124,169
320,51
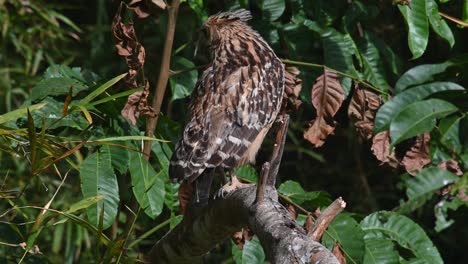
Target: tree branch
282,239
164,74
325,218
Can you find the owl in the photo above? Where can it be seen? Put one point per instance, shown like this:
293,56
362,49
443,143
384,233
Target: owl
233,105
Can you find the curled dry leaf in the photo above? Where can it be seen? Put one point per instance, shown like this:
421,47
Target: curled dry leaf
418,156
128,46
241,236
381,149
292,89
137,105
452,166
144,8
309,223
327,97
292,211
185,195
339,254
362,110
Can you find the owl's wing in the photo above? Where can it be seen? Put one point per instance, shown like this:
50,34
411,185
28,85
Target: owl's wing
226,118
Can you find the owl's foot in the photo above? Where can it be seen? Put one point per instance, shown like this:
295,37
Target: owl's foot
235,184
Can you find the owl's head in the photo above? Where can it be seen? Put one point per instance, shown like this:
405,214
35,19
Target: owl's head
226,24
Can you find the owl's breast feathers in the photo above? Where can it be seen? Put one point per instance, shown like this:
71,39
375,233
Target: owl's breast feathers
233,105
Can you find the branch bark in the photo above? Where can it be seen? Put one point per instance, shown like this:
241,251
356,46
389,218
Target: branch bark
282,239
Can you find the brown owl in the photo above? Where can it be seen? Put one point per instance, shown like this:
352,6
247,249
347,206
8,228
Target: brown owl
233,105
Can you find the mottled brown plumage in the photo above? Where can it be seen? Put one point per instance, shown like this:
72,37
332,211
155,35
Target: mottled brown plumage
235,101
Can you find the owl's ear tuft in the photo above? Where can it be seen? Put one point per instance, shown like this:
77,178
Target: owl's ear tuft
240,14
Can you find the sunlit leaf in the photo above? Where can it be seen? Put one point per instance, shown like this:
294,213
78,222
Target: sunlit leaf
418,26
391,108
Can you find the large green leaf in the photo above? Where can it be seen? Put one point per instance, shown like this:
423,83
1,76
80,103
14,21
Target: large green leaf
297,194
394,62
401,229
437,23
391,108
120,158
380,251
252,253
98,178
272,9
56,86
421,187
420,74
182,84
338,51
53,118
148,186
417,118
247,172
373,67
345,230
418,26
449,129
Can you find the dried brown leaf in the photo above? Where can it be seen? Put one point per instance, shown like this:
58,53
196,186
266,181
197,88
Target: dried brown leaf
362,110
452,166
292,210
418,156
309,223
327,97
381,149
339,254
292,89
185,195
137,105
241,236
127,45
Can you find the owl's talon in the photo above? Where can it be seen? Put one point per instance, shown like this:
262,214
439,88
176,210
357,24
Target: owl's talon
235,184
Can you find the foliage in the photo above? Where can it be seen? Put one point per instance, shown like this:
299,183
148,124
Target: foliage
72,165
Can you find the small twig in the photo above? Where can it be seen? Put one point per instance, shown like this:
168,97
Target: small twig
278,148
262,182
453,19
325,218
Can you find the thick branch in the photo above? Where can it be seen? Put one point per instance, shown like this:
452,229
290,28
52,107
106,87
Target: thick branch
282,239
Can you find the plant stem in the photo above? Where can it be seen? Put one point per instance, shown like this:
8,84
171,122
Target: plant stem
308,64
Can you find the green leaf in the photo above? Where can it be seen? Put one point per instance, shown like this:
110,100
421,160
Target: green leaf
373,67
345,230
120,157
441,212
252,252
15,114
393,60
182,84
85,203
272,9
98,178
297,194
53,118
101,89
148,186
401,229
449,129
437,23
380,251
56,86
247,172
391,108
420,74
338,51
417,118
418,26
421,187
